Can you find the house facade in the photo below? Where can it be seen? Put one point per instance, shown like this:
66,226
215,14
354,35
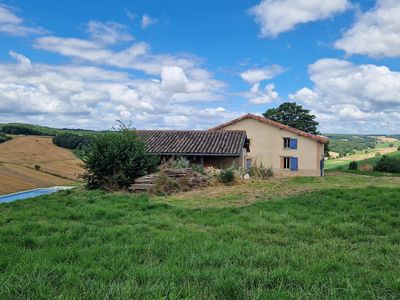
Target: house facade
289,151
218,149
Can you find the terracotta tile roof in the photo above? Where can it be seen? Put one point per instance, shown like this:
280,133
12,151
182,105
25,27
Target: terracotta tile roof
195,142
264,120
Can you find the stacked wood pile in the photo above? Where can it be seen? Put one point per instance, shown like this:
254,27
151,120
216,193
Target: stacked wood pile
185,178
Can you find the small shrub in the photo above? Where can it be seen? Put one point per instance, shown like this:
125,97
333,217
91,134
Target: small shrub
260,171
227,176
212,172
116,158
353,165
388,164
398,148
378,154
198,168
182,163
37,167
391,145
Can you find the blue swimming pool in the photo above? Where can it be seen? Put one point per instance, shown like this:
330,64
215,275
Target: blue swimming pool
29,194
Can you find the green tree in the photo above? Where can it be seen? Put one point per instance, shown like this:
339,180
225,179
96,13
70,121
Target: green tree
353,165
388,164
115,158
293,115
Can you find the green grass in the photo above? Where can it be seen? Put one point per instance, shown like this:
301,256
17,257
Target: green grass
335,243
367,173
374,160
388,144
334,164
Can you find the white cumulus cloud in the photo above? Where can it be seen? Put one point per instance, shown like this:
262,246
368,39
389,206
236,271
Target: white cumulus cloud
351,97
94,97
277,16
376,33
255,75
261,96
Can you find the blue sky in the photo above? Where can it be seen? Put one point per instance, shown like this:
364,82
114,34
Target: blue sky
195,64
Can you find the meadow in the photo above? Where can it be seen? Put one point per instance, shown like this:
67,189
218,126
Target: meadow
317,238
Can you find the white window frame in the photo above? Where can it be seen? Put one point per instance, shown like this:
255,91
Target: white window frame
286,162
286,143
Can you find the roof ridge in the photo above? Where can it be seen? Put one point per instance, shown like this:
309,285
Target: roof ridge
183,130
268,121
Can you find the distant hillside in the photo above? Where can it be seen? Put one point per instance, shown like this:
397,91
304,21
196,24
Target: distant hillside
29,129
348,143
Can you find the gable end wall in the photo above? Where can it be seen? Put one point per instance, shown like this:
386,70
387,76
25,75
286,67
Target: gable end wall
266,147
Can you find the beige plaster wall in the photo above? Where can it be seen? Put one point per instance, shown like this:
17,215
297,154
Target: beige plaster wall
266,147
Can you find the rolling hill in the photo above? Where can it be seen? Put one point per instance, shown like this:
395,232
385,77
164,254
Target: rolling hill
28,162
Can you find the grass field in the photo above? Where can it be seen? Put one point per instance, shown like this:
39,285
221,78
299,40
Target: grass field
344,163
333,237
19,156
360,156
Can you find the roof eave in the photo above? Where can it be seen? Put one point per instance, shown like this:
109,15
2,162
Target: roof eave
196,154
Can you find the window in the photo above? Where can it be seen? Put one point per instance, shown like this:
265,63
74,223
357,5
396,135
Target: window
286,143
289,143
290,163
286,163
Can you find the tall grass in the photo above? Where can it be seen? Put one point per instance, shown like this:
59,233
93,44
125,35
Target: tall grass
92,245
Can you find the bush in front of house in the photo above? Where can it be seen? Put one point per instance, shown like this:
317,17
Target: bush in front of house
353,165
388,164
260,171
227,176
115,158
198,168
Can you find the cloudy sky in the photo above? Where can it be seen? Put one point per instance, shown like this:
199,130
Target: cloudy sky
194,64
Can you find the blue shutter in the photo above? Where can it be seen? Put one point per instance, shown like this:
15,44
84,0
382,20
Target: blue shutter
294,164
293,143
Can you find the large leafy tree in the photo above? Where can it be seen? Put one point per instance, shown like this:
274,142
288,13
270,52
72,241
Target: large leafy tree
293,115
